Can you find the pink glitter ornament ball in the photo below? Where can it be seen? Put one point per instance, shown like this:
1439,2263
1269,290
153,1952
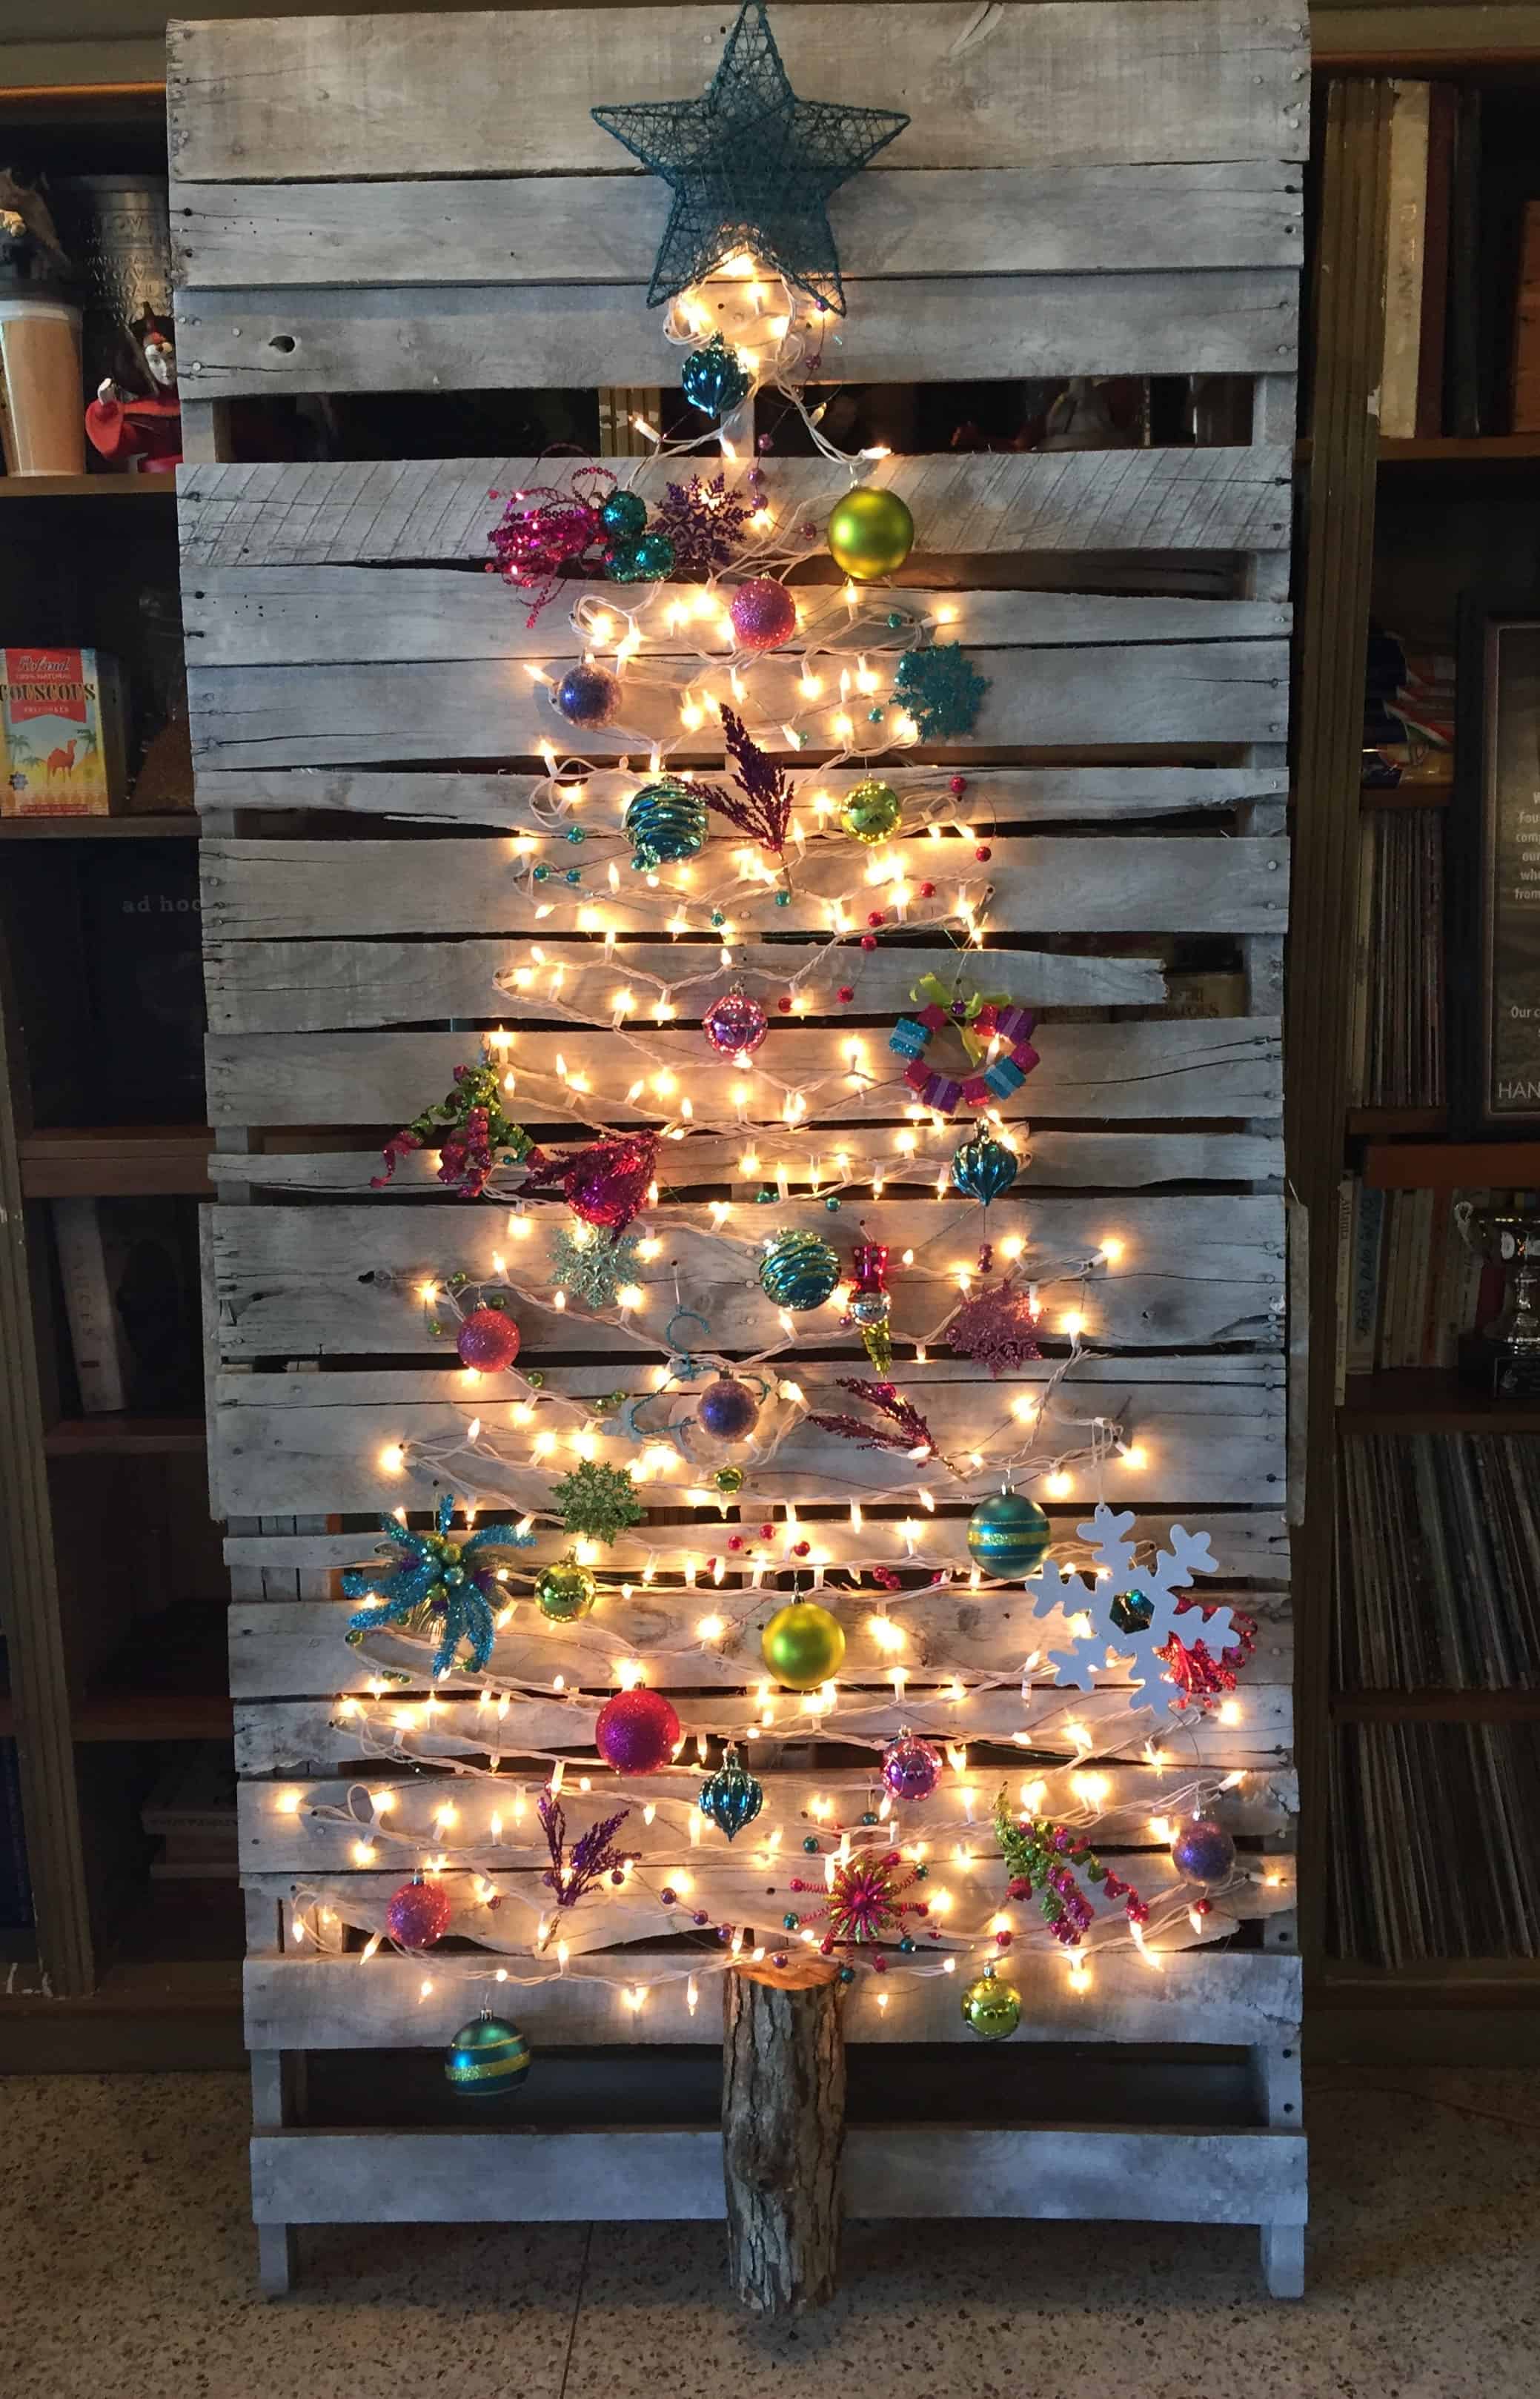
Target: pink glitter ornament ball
636,1731
911,1769
418,1914
764,613
488,1340
735,1024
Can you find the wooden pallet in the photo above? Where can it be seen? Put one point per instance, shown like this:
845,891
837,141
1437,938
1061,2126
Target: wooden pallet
359,209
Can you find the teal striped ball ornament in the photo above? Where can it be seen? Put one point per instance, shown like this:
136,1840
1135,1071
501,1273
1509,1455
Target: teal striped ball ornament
486,2055
1007,1535
666,820
797,1271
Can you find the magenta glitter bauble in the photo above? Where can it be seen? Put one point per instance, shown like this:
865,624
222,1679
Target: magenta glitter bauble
588,694
764,613
418,1915
911,1769
728,1409
488,1340
1203,1851
636,1731
735,1024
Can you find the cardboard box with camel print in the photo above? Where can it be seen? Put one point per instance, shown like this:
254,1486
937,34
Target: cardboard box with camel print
62,733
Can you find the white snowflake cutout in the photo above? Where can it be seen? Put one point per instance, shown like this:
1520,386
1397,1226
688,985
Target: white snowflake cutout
1112,1575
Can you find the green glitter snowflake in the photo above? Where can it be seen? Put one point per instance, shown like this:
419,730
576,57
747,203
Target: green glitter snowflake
597,1501
941,690
591,1271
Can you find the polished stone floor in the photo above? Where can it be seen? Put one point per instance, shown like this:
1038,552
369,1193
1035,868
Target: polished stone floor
127,2272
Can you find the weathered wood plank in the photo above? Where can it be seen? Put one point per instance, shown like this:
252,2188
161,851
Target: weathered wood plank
265,890
333,2003
424,510
289,1282
1191,1068
335,97
605,228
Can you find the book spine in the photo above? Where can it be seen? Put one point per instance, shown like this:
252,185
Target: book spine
1368,1257
1442,104
1405,249
95,1334
1346,1210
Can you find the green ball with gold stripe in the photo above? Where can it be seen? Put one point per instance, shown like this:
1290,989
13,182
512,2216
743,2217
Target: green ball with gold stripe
1008,1534
486,2055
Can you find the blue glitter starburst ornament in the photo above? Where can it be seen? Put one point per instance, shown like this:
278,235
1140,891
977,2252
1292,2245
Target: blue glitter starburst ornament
591,1271
430,1578
942,688
752,166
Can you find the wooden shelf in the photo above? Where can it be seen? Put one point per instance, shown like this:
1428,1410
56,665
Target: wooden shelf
183,826
87,487
1405,795
1387,1123
122,1436
115,1162
1436,1707
1453,1165
1453,449
1426,1399
154,1716
1438,1982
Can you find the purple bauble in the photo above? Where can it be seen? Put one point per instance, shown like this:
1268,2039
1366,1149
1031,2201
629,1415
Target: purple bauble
488,1340
727,1410
1203,1851
764,613
636,1731
418,1915
735,1024
911,1769
588,694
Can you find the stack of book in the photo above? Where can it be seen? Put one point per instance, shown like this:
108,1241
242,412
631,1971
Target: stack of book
1439,1562
1406,1284
1396,1031
1435,1842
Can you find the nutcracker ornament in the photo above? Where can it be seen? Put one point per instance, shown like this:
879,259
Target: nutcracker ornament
871,1302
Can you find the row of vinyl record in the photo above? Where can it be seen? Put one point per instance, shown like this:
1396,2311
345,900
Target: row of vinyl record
1438,1563
1407,1286
1435,1842
1397,1034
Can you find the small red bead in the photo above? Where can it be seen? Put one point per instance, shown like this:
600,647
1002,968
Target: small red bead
1001,1940
846,992
982,854
735,1541
928,890
801,1548
765,1531
879,1965
958,786
785,1007
877,917
868,940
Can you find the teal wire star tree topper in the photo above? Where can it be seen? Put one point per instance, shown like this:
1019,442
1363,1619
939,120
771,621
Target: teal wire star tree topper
752,167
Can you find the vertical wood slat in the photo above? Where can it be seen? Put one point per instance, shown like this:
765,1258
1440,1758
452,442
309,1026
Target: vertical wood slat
1339,550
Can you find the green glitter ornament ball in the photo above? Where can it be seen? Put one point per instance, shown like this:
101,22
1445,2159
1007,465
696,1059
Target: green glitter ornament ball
1007,1534
799,1271
487,2055
565,1591
803,1645
872,811
871,532
990,2008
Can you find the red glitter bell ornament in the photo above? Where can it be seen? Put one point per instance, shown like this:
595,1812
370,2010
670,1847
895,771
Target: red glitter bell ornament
637,1731
764,613
418,1914
735,1024
605,1184
488,1340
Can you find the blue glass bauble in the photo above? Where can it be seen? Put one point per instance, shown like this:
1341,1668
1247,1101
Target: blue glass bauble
646,560
983,1167
799,1271
487,2055
666,820
713,379
587,695
731,1797
727,1410
1007,1534
1203,1851
622,515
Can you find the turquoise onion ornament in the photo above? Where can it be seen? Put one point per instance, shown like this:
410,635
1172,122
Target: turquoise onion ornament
487,2055
731,1796
799,1271
664,820
714,380
1007,1535
983,1168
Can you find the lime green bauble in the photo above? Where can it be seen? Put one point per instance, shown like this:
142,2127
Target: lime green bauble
871,533
990,2008
564,1591
872,811
1008,1534
803,1645
487,2055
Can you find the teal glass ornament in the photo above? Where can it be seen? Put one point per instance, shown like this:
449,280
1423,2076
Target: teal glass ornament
622,515
983,1167
799,1271
666,820
731,1797
713,379
646,560
1007,1534
487,2055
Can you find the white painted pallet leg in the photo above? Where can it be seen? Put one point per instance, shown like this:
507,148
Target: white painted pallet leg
1276,2083
277,2076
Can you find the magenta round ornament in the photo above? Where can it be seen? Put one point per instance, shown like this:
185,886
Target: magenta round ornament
1203,1851
728,1409
418,1914
764,613
735,1024
636,1731
488,1340
912,1768
588,694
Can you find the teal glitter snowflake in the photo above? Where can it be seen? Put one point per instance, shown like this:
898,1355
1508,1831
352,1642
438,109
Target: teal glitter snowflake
591,1271
597,1501
942,688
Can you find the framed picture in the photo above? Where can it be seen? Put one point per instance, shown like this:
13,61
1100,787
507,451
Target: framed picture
1493,869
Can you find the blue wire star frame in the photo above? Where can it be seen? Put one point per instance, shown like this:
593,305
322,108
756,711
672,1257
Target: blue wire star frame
752,167
453,1581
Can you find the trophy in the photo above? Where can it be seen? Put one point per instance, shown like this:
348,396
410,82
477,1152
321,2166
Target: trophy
1506,1358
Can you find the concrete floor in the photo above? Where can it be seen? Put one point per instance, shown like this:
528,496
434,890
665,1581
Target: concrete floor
127,2272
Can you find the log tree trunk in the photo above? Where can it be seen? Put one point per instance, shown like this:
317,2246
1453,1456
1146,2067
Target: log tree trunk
782,2132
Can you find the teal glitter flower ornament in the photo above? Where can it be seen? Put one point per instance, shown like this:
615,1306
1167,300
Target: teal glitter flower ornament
942,688
431,1576
752,167
597,1501
591,1271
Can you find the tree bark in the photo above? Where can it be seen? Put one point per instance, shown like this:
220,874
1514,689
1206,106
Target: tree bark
782,2134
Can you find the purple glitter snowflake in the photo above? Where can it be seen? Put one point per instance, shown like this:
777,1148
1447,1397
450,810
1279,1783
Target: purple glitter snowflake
705,522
